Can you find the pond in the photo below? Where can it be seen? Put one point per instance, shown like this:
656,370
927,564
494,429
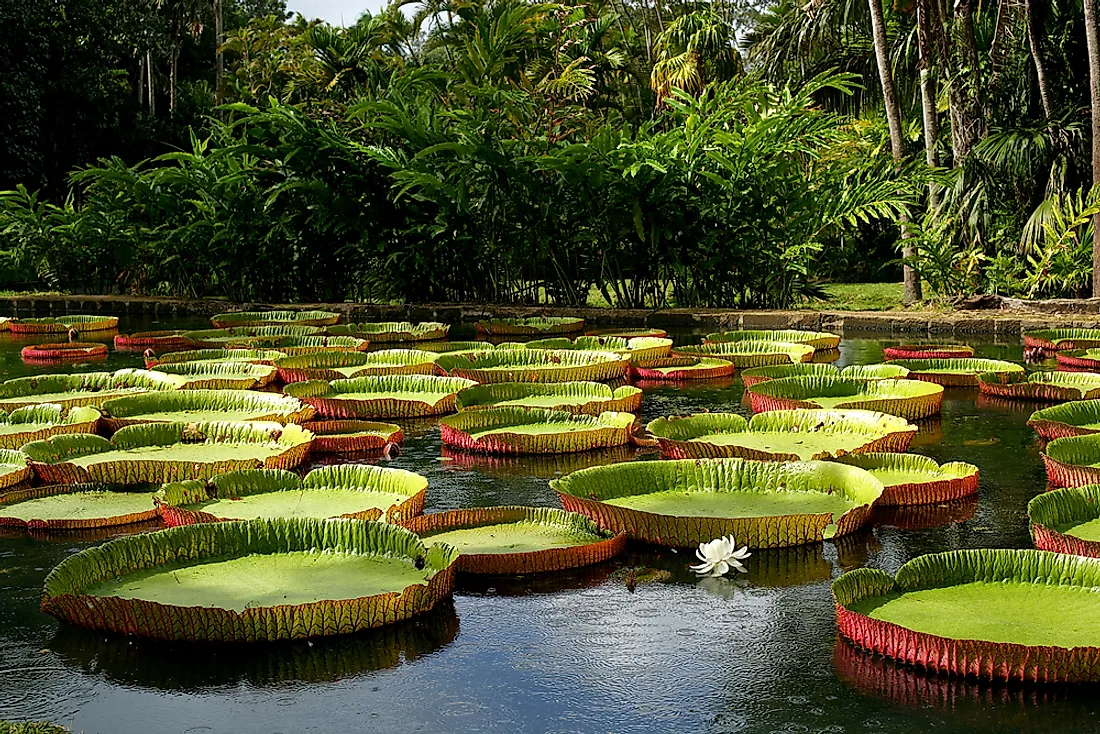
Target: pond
582,651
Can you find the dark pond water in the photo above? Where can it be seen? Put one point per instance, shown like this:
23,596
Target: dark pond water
573,652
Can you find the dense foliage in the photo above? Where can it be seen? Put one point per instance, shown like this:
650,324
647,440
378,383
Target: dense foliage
514,151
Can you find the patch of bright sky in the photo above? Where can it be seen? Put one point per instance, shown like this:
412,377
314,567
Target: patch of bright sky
335,12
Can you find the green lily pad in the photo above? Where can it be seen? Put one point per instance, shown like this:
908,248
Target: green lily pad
909,399
388,396
751,352
76,507
86,388
1076,418
589,398
211,375
203,406
535,365
755,375
348,365
961,372
386,332
35,422
511,430
817,339
911,479
274,318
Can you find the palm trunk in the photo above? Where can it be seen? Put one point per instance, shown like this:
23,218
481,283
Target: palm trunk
149,82
929,114
893,119
1093,42
219,66
1034,36
172,63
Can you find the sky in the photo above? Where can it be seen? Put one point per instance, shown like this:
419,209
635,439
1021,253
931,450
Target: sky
336,12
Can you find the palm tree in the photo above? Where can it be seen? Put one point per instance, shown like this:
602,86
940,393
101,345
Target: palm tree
696,48
1093,41
893,118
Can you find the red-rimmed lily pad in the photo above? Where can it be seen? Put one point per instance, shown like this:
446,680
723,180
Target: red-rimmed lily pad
682,503
386,396
292,345
531,326
252,581
251,356
518,540
1076,418
909,399
62,324
459,347
511,430
355,491
203,406
36,422
755,375
745,353
352,436
87,388
781,435
256,337
928,351
1079,360
166,340
348,365
963,372
990,613
589,398
817,339
1067,520
1049,386
388,332
217,375
67,352
1073,461
639,348
535,365
681,368
76,507
912,479
274,318
1053,340
155,453
14,469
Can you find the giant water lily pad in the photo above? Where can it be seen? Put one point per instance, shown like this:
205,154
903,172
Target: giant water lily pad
203,406
589,398
817,339
640,348
755,375
1052,340
745,353
911,479
249,356
274,318
252,581
159,341
87,388
76,507
387,396
962,372
14,469
356,491
991,613
909,399
535,365
168,452
512,430
312,344
66,352
388,332
62,324
211,375
685,502
35,422
781,435
352,436
1073,461
1077,418
681,368
249,336
347,365
1079,360
928,351
531,326
451,347
518,540
1067,520
1052,386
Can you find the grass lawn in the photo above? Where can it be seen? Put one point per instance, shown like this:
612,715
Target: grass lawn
865,297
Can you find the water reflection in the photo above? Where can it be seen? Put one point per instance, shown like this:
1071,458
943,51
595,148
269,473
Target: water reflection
922,517
541,466
83,535
1009,707
166,666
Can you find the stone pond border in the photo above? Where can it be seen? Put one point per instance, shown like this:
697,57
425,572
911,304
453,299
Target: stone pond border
1005,323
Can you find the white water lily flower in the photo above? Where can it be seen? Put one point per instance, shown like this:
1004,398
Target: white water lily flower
719,556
